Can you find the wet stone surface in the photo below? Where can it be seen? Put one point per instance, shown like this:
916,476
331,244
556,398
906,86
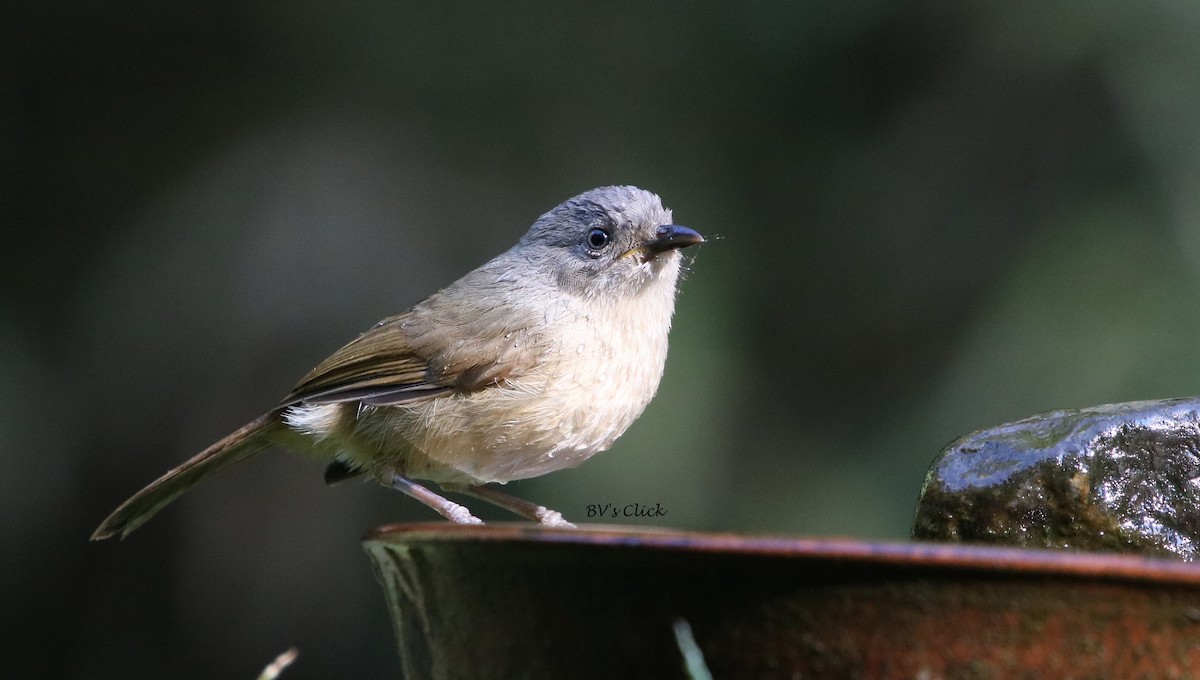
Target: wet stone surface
1119,477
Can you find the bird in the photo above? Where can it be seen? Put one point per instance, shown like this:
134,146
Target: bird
531,363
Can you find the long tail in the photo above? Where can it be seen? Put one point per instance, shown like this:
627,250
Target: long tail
238,446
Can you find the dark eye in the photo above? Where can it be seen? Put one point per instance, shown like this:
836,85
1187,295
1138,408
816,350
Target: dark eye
597,238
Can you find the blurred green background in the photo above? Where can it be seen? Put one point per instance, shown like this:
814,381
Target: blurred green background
930,218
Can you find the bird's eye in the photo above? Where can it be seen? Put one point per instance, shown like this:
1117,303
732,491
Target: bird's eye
597,238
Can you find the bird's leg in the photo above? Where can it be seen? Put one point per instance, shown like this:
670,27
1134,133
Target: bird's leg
517,506
445,507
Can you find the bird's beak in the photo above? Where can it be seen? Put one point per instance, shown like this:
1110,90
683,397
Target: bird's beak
671,237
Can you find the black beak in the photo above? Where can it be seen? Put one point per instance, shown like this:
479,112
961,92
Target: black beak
672,236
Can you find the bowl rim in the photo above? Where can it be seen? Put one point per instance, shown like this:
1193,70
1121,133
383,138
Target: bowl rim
894,554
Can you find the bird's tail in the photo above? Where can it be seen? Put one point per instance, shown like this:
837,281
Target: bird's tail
241,444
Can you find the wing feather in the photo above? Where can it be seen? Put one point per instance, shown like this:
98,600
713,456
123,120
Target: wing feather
378,362
382,367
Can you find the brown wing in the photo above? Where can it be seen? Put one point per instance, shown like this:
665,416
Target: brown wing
377,365
382,367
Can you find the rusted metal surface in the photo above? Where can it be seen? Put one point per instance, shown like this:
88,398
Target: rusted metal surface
506,601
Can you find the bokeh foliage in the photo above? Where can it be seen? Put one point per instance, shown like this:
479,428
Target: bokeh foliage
931,218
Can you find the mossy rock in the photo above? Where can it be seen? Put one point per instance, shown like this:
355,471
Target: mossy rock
1119,477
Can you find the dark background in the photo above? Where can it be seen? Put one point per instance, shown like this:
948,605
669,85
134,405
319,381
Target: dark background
932,218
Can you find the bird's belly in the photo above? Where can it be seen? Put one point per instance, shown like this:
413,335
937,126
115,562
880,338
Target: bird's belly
584,391
524,429
541,422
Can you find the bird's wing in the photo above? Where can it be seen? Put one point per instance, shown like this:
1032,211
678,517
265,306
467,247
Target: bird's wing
382,367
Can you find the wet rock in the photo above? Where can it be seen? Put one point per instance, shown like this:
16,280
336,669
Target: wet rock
1120,477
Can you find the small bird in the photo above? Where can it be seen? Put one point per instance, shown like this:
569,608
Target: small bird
529,364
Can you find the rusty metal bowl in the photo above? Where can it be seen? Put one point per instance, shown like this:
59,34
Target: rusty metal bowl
506,601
